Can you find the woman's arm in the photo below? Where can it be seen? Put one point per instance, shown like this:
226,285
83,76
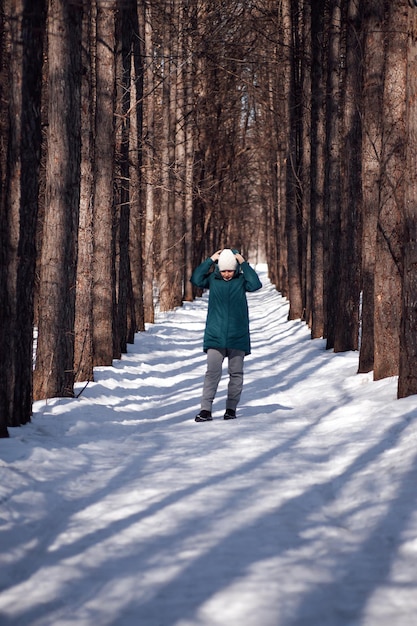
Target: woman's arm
252,282
200,276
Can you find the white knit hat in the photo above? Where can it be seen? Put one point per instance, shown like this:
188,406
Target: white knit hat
227,260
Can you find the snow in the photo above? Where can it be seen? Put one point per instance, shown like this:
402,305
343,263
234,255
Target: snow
117,509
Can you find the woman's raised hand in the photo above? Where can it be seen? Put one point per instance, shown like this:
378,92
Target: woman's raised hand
215,256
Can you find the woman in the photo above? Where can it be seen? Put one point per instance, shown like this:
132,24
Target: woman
227,325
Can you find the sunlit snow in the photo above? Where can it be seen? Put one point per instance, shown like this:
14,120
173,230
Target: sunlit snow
117,509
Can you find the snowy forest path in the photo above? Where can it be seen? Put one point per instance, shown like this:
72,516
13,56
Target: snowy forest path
118,509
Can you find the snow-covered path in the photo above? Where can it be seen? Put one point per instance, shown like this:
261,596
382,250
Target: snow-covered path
117,509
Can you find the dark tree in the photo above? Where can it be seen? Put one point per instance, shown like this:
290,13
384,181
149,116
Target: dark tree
21,89
373,65
105,344
407,380
318,56
126,324
332,173
83,349
346,330
390,225
54,372
136,160
293,222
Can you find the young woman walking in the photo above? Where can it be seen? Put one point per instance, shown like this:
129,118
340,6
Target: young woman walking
228,277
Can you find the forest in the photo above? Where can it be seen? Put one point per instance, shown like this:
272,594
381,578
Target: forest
139,136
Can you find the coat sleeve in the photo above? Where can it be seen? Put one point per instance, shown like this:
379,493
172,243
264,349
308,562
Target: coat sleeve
252,282
200,276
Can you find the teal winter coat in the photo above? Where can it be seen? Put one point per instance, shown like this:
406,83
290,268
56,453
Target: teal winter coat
227,324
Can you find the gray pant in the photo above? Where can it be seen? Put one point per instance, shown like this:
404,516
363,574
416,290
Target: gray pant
215,358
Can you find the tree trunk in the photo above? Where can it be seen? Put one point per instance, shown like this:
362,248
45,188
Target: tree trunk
283,86
188,79
371,169
22,30
332,181
4,308
83,349
136,157
293,226
168,139
148,171
305,158
12,188
319,51
33,32
347,314
125,307
178,225
54,373
104,286
407,380
390,229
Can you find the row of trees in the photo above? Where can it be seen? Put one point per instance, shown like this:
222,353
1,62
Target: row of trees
343,212
139,136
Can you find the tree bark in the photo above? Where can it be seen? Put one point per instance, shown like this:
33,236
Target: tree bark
54,372
374,62
283,86
305,160
125,307
188,80
332,181
148,170
22,34
104,286
346,333
33,33
319,51
180,192
136,183
83,349
168,140
407,380
390,227
293,209
12,197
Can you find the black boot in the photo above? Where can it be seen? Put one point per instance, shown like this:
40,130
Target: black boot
203,416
